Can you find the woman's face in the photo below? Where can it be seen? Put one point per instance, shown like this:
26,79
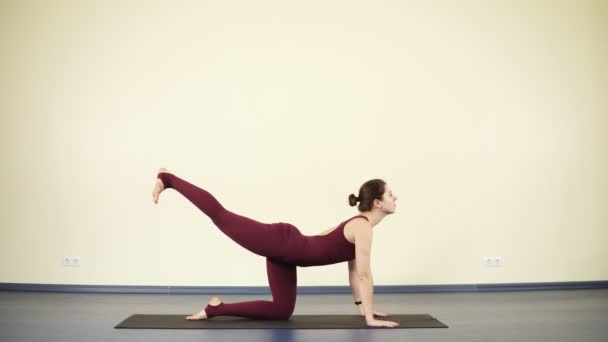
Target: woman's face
389,201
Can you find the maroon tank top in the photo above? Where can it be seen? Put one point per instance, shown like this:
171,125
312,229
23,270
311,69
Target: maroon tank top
304,250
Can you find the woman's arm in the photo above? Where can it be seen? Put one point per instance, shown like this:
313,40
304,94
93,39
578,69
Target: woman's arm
363,271
363,246
354,285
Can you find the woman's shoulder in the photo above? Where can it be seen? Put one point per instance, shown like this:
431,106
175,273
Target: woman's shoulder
357,219
353,225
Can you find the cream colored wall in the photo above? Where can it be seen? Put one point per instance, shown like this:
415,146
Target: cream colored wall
487,119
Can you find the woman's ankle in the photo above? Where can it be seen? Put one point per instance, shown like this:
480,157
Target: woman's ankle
165,178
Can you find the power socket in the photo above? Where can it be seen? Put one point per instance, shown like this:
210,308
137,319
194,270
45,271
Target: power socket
493,261
71,261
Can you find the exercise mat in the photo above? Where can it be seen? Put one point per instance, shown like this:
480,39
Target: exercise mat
140,321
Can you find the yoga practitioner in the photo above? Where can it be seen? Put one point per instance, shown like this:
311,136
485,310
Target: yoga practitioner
285,247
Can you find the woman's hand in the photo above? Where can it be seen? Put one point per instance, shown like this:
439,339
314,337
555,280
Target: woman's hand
380,314
376,313
372,322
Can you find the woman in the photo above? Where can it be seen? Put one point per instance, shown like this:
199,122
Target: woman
285,248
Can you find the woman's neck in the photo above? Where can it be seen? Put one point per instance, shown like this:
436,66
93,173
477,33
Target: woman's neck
373,216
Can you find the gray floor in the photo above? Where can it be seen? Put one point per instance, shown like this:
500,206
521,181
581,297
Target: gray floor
574,315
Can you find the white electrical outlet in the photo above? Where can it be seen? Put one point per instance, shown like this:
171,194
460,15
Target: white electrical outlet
493,261
71,261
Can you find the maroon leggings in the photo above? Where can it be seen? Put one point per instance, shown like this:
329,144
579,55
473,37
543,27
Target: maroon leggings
259,238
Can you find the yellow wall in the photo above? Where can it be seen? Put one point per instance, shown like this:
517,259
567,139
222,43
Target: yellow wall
488,120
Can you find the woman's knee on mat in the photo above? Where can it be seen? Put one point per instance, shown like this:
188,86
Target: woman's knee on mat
284,310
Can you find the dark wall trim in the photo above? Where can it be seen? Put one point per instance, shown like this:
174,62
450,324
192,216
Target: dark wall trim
603,284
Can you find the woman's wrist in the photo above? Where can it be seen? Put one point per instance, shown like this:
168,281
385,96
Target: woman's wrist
360,307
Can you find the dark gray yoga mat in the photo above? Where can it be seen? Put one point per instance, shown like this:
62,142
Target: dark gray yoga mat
295,322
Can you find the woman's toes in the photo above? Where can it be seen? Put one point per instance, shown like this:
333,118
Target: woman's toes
198,316
158,188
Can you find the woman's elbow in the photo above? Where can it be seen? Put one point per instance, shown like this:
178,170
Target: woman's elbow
364,275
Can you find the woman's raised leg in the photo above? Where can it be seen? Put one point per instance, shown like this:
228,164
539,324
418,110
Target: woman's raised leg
263,239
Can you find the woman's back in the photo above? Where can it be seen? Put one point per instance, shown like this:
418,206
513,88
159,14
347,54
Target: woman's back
303,250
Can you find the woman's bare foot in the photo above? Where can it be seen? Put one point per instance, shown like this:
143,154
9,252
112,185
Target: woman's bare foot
215,301
158,187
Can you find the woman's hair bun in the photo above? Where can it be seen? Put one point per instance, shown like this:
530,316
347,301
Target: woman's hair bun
352,200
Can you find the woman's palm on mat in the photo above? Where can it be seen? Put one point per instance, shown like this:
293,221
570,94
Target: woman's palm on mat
379,323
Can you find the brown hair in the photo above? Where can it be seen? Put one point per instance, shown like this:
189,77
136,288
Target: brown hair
368,192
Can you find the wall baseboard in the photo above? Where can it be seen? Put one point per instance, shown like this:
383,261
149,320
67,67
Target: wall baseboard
302,289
